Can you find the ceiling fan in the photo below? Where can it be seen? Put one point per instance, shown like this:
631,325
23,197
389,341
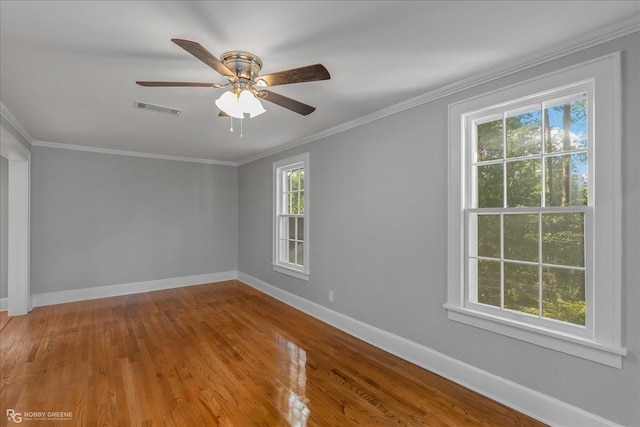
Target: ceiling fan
242,70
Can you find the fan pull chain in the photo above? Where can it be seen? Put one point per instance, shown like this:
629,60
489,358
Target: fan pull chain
241,127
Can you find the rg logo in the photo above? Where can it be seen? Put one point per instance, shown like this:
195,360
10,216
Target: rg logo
14,416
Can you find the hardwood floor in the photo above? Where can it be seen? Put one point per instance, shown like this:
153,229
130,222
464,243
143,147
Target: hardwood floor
4,319
220,354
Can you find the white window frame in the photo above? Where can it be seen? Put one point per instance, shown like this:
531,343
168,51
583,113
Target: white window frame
601,339
279,168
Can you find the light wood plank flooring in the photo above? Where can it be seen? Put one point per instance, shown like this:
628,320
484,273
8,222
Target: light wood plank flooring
218,354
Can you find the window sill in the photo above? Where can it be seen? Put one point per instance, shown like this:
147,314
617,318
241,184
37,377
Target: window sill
291,272
601,353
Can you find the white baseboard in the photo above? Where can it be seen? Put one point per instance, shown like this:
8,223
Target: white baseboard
4,304
535,404
60,297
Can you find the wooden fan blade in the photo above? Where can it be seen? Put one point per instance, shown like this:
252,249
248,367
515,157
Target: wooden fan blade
222,114
288,103
310,73
175,84
205,56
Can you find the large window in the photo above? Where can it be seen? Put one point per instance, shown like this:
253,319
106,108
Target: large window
291,224
528,182
534,212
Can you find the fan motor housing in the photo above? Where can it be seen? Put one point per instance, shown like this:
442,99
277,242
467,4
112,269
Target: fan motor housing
246,65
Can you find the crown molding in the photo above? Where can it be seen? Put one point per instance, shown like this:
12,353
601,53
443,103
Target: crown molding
49,144
6,114
606,34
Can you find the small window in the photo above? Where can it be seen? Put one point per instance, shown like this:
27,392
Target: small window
534,212
291,224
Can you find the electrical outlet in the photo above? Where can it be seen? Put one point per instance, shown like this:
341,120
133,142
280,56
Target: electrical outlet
331,296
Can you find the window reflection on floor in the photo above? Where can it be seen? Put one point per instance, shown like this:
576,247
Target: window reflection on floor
292,376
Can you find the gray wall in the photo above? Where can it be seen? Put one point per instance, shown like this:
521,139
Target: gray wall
4,169
378,230
102,219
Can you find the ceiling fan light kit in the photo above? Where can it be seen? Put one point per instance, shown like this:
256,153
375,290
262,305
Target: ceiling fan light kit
241,98
238,105
242,69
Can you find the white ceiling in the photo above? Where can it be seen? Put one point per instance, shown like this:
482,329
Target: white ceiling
68,69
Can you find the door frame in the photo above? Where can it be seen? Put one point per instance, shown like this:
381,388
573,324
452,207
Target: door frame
18,220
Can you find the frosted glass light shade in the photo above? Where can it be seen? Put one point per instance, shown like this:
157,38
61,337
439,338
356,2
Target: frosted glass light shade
250,104
230,104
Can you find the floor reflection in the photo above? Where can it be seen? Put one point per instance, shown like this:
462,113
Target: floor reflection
292,376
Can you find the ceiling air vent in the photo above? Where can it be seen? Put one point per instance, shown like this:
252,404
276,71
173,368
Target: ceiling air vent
158,108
